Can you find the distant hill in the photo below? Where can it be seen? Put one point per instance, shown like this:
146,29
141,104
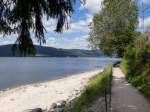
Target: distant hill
5,51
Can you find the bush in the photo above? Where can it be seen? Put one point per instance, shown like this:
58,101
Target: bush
136,66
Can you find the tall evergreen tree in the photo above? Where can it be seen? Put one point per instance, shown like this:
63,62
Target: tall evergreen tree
22,16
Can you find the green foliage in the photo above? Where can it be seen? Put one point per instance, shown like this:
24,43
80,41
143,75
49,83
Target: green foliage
113,29
138,56
94,90
25,16
136,65
123,66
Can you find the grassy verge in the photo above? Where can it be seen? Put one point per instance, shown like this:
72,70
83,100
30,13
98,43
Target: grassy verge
140,81
94,90
123,66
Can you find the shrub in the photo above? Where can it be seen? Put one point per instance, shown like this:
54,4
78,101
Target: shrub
136,65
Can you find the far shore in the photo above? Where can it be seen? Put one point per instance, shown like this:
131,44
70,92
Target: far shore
43,95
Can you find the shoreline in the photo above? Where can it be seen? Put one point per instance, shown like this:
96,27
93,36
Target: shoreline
43,95
50,80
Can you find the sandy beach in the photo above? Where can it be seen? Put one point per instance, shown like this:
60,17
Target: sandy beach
43,95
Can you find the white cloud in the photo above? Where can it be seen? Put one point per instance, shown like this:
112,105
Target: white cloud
80,26
7,39
76,43
92,6
74,27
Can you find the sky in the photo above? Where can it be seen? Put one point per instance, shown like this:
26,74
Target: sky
76,36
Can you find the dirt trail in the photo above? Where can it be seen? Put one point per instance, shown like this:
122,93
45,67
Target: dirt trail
125,98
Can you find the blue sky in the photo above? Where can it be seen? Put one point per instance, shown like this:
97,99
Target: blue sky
76,36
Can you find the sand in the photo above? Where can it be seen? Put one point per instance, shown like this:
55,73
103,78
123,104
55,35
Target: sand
43,95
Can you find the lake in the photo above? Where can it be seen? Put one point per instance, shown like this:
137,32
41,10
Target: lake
20,71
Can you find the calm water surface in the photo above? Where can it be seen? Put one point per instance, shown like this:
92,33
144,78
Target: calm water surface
20,71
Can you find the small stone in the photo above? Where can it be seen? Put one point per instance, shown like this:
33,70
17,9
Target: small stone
61,104
51,110
54,105
59,109
12,99
36,110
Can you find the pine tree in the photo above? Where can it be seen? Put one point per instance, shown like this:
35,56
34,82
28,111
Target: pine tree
24,16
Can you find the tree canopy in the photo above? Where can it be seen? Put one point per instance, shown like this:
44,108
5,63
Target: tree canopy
114,27
24,17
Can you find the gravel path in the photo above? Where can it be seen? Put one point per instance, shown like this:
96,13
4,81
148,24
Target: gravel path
125,98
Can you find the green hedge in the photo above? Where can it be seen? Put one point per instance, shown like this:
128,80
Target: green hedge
136,66
94,90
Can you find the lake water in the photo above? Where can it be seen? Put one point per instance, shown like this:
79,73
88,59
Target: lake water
20,71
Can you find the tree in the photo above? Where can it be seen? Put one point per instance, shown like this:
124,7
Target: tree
25,16
114,27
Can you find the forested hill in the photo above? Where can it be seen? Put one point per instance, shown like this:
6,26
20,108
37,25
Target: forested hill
5,51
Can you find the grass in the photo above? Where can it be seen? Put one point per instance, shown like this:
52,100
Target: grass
123,66
140,81
94,90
